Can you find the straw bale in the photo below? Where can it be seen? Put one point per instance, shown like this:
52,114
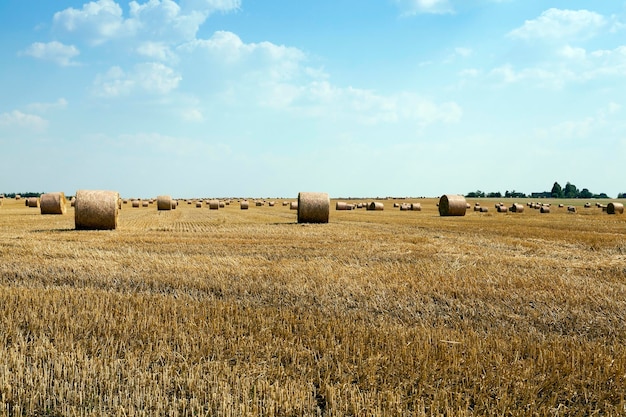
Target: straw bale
17,196
476,208
164,202
397,205
96,209
405,207
271,203
293,205
484,209
561,205
452,205
571,209
135,203
416,206
615,208
342,205
544,209
244,205
214,204
222,205
145,203
313,207
53,203
517,208
587,205
199,204
376,206
33,202
285,203
502,209
174,204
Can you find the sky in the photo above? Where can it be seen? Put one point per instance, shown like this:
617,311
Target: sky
267,98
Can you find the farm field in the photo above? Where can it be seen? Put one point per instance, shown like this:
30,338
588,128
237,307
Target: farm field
235,312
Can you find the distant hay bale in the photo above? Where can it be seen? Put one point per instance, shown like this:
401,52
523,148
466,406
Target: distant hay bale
293,205
33,202
484,209
53,203
18,197
96,210
164,202
199,204
452,205
259,203
271,203
342,205
145,203
416,207
502,209
571,209
467,206
135,203
587,205
285,203
243,205
615,208
222,205
405,207
397,205
476,208
544,209
174,204
214,204
561,205
313,207
517,208
375,206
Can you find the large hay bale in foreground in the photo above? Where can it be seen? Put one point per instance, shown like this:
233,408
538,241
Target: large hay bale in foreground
164,202
452,205
214,204
615,208
313,207
243,205
53,203
96,210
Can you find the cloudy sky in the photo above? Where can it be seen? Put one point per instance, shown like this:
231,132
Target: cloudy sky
350,97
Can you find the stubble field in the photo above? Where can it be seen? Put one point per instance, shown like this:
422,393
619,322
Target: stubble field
235,312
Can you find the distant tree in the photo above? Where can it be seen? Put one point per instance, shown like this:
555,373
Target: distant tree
557,191
475,194
601,195
621,195
570,191
585,193
497,194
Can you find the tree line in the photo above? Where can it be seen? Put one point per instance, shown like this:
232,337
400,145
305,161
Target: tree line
569,191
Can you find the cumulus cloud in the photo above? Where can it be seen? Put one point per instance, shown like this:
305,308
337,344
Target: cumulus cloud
17,119
53,51
413,7
155,20
152,78
561,24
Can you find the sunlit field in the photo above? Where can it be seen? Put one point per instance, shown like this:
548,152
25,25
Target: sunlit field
229,312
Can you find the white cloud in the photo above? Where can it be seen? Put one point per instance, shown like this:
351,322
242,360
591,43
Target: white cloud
97,22
192,115
561,24
60,104
156,50
17,119
570,52
413,7
153,78
162,21
53,51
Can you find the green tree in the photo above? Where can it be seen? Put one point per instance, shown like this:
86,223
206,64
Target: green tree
557,191
570,191
585,193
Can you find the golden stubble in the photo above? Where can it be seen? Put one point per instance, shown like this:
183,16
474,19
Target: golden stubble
228,312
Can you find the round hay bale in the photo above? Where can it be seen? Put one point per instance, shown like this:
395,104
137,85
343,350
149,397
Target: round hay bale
376,206
244,205
164,202
484,209
145,203
33,202
53,203
342,205
405,207
587,205
416,207
476,208
561,205
615,208
96,210
285,203
199,204
174,204
313,207
544,209
222,205
502,209
214,204
135,203
452,205
293,205
571,209
517,208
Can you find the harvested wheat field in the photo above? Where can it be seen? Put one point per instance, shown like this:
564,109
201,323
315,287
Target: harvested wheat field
247,313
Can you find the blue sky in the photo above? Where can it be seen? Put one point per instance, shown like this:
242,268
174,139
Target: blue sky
198,98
